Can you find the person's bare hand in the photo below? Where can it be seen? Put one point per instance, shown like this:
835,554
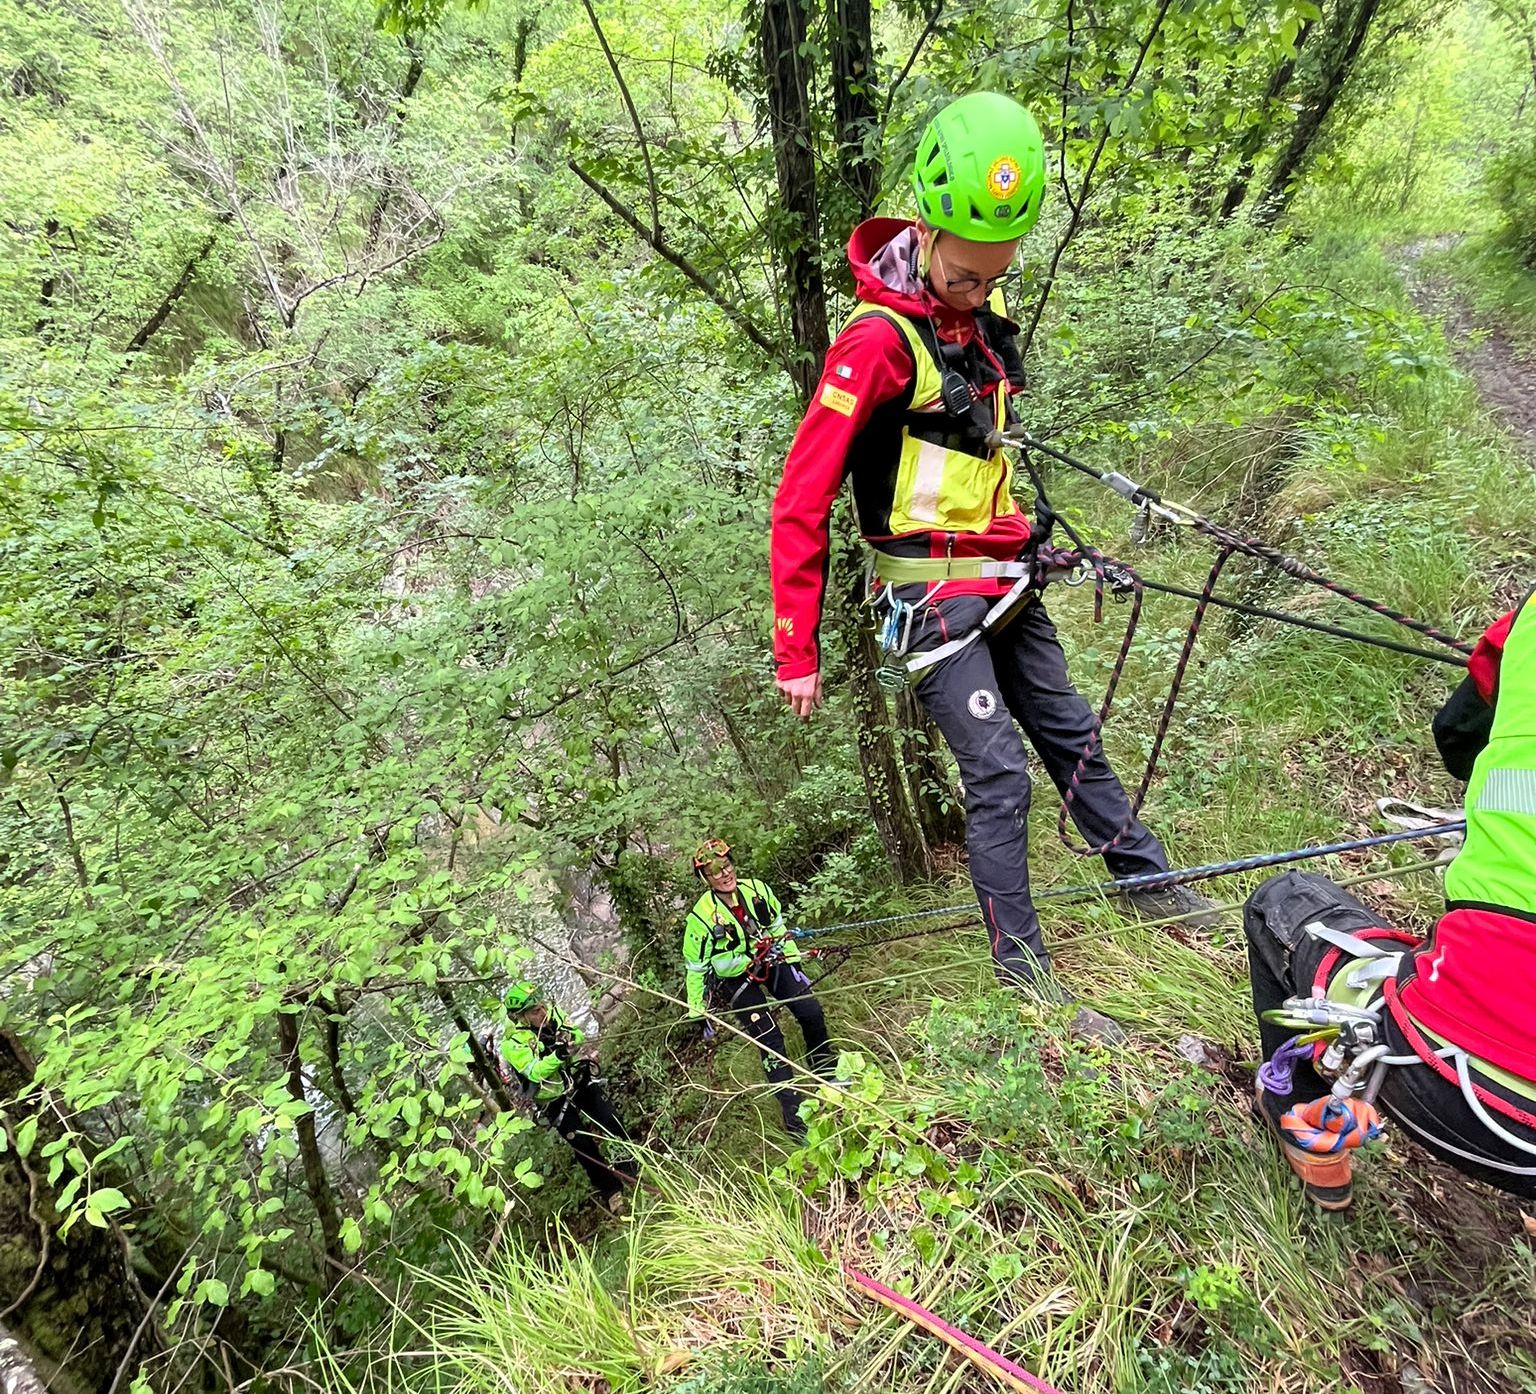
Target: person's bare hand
802,694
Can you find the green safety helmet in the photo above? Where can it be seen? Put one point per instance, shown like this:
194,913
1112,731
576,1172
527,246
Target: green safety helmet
520,996
980,169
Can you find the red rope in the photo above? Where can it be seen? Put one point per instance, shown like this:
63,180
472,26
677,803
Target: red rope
984,1357
1101,565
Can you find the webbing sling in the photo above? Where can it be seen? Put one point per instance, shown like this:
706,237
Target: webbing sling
1342,939
1019,595
900,571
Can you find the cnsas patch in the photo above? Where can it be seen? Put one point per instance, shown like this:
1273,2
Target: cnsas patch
838,399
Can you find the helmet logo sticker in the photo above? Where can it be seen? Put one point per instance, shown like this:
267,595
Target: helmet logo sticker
981,704
1004,176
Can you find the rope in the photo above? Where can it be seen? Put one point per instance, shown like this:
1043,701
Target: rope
1250,546
1096,934
1046,560
1126,578
1316,626
1329,1125
1165,721
1277,1074
1000,1367
1155,880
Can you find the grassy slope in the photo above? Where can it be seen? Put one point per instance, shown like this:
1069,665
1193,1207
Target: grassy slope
1115,1220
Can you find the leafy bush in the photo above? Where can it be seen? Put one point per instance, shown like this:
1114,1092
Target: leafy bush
1512,186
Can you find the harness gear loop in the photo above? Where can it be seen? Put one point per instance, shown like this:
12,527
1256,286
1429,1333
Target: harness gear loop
1019,595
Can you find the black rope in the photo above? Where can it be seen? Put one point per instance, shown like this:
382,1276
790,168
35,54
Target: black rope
1456,660
1138,493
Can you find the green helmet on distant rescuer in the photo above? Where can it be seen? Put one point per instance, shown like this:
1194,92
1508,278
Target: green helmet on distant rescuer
980,169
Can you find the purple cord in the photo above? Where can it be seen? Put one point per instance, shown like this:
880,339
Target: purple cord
1276,1073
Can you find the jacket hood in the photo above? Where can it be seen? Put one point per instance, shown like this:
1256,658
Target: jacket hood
883,255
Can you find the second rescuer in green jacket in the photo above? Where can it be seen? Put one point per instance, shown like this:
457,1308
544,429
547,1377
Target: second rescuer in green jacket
738,960
539,1051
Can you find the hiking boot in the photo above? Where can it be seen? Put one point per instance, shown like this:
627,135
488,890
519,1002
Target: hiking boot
1326,1178
789,1111
1027,974
1165,902
1098,1027
614,1203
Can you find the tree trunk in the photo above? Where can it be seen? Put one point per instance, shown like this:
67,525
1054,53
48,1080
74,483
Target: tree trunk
786,74
151,326
316,1182
1346,34
45,291
413,72
900,831
786,69
527,22
69,1303
1255,136
939,813
18,1375
890,805
853,104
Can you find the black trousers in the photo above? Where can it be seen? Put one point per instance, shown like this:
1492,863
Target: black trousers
1283,960
752,1003
584,1118
981,699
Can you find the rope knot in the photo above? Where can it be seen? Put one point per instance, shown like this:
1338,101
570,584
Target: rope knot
1331,1125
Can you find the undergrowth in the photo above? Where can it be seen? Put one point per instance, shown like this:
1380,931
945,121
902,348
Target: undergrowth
1112,1218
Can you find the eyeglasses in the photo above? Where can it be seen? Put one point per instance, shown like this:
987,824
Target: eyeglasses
964,285
715,866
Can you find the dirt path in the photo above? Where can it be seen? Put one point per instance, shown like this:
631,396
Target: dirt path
1504,373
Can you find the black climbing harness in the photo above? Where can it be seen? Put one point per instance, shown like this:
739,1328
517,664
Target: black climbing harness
1350,1028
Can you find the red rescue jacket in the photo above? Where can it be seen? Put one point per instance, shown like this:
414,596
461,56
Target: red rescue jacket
868,366
1474,979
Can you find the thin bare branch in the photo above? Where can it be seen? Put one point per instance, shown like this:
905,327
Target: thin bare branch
634,117
658,243
906,68
1087,185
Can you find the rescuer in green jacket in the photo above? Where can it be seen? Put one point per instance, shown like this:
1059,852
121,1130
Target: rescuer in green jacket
739,961
539,1049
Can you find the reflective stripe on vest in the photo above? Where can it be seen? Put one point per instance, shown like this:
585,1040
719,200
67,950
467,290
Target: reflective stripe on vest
939,489
1508,791
1497,865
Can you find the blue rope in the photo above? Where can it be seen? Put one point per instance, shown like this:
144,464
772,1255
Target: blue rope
1157,880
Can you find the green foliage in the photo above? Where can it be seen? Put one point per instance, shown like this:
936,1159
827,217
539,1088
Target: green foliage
745,1376
1512,186
383,539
